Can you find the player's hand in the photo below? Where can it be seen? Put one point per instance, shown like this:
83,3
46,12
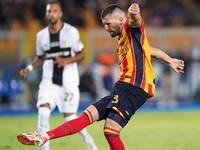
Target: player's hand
24,72
177,65
61,61
134,9
134,15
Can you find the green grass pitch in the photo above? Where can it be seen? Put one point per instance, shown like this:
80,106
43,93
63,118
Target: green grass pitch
146,131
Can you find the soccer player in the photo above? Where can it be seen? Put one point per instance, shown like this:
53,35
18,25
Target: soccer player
58,48
134,86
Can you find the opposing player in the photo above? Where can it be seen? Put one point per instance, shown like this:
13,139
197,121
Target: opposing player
134,86
58,48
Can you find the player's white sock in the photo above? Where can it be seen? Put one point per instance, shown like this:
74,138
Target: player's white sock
45,135
83,132
43,123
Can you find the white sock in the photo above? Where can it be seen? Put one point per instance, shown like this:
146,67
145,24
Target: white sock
83,132
43,124
45,135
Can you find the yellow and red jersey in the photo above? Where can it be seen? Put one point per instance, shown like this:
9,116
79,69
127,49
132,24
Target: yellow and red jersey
135,59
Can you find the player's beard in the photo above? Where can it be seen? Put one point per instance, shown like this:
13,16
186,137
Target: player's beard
116,32
53,23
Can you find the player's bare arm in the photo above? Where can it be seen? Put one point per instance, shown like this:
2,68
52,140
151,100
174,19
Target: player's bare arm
64,61
38,61
176,64
134,15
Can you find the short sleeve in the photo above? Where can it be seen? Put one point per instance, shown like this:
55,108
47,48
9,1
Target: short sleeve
77,43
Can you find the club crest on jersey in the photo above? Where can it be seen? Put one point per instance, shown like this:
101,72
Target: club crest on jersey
64,42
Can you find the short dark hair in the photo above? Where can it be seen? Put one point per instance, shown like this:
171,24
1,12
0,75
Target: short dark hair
55,2
109,10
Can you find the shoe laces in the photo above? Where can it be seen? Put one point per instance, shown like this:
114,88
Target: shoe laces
34,133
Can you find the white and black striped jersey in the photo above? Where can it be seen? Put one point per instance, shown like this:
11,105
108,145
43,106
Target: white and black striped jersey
65,43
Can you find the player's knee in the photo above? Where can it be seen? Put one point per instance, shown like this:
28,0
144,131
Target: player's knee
69,117
44,113
94,112
109,123
46,105
113,124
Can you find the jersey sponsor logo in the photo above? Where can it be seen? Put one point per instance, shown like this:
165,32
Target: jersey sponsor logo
57,54
127,76
123,49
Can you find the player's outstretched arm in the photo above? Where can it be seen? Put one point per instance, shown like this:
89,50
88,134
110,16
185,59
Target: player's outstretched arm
134,15
177,65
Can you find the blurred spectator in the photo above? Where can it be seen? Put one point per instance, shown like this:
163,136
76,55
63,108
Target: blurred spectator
107,77
194,72
184,83
107,60
38,8
72,14
2,19
154,12
87,83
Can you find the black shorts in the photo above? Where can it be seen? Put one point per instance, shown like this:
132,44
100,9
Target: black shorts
124,100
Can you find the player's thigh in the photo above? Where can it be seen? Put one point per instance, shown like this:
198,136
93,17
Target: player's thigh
126,99
47,94
69,99
101,107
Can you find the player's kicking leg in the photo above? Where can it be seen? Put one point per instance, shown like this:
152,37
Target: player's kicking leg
68,128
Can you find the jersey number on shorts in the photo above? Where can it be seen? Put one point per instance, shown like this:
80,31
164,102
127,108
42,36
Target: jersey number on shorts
116,99
68,97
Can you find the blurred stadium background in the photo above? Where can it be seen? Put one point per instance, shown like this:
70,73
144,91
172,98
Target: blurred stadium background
173,26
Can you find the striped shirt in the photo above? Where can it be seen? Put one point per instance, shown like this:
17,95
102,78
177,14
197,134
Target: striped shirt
65,43
135,59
